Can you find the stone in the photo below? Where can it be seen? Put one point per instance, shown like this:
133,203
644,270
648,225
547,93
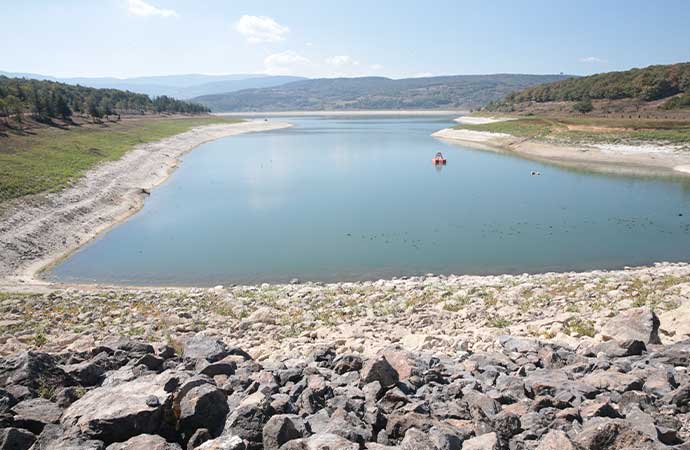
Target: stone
555,440
202,406
640,324
87,373
619,349
145,442
226,442
282,428
36,413
120,412
379,369
200,436
33,370
248,419
611,380
488,441
320,441
16,439
204,347
347,363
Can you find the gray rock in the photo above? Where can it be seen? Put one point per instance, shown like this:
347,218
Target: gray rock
199,437
347,363
641,324
282,428
16,439
144,442
36,413
204,347
117,413
202,406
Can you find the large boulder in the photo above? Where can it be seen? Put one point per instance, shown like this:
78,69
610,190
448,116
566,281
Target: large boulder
488,441
225,442
117,413
145,442
555,440
640,324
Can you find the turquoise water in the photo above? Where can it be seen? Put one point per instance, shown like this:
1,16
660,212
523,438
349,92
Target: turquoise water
358,198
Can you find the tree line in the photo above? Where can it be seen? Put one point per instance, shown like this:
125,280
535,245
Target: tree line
46,100
647,84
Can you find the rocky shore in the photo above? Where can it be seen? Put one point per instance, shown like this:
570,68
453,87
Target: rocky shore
629,391
595,360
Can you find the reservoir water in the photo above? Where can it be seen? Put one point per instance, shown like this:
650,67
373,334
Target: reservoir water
336,199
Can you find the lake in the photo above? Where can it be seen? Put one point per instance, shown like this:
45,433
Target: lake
357,198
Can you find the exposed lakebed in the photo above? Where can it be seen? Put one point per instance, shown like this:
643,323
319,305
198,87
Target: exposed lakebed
358,198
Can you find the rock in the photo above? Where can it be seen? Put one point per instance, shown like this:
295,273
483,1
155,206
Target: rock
199,437
619,349
33,370
603,433
379,369
226,366
228,442
680,398
320,441
347,363
488,441
555,440
248,419
120,412
282,428
36,413
87,373
640,324
202,406
144,442
204,347
16,439
610,380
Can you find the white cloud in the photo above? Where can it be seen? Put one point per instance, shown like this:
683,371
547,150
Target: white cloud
259,29
341,60
422,75
286,63
143,9
376,67
592,60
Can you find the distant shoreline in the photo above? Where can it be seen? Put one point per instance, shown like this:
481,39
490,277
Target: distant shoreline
573,155
360,112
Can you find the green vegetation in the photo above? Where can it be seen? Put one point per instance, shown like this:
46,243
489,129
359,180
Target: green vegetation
578,326
47,100
579,129
647,84
451,92
52,158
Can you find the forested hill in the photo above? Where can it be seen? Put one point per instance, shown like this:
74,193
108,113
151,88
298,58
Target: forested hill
48,99
448,92
648,84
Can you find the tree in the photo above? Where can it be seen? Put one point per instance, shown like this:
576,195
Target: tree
584,106
14,106
62,108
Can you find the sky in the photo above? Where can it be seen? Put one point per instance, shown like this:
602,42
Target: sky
328,38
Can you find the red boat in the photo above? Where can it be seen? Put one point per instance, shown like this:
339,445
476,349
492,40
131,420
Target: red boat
438,159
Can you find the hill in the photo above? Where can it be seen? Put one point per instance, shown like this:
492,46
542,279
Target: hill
447,92
664,87
46,100
178,86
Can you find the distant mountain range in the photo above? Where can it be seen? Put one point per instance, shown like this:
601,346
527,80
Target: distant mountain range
447,92
178,86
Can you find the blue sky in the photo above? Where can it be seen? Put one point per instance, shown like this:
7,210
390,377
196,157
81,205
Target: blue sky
340,38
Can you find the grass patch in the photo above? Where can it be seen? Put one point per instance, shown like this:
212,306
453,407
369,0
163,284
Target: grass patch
579,326
53,158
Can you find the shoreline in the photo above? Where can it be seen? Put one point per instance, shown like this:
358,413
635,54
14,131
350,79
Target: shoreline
572,155
360,112
39,231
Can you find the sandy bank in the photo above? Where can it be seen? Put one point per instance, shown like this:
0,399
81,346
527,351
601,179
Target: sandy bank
39,230
610,158
373,112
